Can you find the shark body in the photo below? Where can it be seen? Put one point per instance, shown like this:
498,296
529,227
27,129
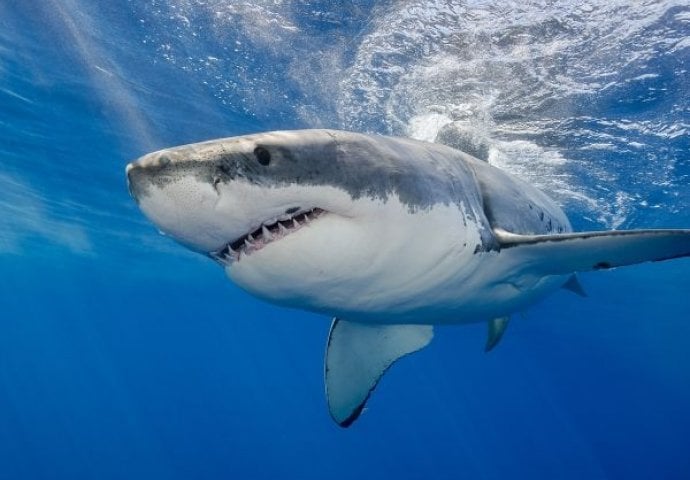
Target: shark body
390,236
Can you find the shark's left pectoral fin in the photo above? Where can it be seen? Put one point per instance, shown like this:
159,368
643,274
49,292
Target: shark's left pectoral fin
358,355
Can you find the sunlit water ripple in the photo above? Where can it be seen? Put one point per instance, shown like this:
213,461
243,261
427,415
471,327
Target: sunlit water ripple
586,101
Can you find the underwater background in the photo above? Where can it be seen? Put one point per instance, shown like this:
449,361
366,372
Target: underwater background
123,355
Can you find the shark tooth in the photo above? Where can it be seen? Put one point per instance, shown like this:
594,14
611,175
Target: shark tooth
266,233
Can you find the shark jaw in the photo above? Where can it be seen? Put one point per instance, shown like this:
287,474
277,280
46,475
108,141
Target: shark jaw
270,231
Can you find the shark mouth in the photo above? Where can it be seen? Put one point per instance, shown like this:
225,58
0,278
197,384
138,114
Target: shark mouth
268,232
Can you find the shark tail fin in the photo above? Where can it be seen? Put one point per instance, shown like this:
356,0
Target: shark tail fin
358,355
584,251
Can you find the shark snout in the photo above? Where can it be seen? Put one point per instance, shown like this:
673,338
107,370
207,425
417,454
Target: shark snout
176,194
141,173
137,180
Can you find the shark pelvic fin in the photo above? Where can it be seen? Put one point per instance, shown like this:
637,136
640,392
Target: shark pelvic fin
573,284
357,356
497,328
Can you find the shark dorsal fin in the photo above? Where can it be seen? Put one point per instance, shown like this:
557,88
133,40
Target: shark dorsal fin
358,355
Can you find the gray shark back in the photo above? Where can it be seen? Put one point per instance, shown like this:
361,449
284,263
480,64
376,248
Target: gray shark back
507,202
493,198
516,206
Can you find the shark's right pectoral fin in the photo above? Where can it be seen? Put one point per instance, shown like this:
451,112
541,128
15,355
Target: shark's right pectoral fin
358,355
583,251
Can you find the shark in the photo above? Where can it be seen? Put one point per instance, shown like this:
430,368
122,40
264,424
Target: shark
388,236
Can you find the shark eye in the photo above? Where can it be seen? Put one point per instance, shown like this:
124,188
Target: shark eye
262,155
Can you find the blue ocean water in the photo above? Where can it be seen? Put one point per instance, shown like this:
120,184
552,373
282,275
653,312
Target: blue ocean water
122,355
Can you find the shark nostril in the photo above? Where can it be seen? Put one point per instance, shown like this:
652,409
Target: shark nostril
164,160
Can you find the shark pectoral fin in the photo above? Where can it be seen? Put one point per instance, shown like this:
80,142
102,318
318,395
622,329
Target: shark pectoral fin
357,356
574,285
583,251
497,327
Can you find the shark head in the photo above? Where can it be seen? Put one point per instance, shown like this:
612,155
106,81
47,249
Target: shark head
310,219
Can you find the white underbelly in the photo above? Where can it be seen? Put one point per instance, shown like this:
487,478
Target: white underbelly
487,287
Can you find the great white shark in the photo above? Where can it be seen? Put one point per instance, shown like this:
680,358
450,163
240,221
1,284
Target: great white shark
390,236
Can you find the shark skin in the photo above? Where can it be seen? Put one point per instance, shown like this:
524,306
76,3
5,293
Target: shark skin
389,236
